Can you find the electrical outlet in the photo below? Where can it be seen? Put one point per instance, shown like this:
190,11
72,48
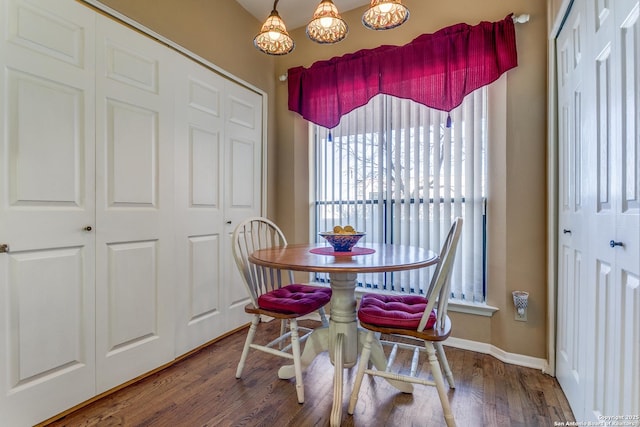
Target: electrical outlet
521,314
520,302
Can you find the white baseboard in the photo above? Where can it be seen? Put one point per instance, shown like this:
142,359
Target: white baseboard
484,348
503,356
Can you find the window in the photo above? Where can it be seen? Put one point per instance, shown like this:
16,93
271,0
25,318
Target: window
401,172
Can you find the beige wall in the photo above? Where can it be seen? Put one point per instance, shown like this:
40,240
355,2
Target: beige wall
517,193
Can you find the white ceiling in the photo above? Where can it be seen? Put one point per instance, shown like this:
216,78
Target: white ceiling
294,13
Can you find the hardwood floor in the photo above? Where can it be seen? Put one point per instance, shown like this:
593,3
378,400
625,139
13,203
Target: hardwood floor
202,390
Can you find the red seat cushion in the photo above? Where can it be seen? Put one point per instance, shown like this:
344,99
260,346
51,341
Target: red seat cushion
394,311
295,299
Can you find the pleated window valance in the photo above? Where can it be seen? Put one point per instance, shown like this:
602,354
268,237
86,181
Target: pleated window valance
437,70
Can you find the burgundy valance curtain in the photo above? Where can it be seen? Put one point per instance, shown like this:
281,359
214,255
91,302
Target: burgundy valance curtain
437,70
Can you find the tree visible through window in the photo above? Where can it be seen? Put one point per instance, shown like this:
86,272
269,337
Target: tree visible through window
402,172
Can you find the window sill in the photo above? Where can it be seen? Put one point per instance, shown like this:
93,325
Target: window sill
477,309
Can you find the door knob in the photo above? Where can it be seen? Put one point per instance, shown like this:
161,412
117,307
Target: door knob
88,228
565,231
613,243
229,222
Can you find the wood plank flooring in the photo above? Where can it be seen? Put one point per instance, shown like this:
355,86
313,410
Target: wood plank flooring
202,390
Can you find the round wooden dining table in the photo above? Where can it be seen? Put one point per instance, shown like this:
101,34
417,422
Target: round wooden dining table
342,339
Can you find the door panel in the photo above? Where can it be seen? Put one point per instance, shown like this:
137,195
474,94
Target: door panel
134,205
204,289
243,190
46,201
48,158
199,151
205,167
609,337
603,131
60,157
602,13
571,359
132,278
600,401
629,402
628,216
36,298
39,27
629,30
243,151
131,156
600,391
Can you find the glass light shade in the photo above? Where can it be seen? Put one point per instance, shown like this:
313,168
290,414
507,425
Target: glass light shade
385,14
327,26
273,38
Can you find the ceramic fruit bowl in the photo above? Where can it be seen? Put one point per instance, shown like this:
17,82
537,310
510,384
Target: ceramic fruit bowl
342,242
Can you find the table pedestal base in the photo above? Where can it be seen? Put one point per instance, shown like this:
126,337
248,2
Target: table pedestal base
319,341
343,340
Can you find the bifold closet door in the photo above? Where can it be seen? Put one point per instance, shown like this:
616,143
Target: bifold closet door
598,350
122,178
135,303
199,166
614,240
244,191
218,175
47,311
572,357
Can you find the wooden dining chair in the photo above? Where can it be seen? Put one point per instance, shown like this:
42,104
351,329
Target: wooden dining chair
421,323
275,297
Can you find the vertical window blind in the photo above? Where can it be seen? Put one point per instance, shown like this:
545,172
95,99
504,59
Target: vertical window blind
401,172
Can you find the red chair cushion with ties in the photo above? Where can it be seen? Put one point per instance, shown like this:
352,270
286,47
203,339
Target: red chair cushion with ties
295,299
394,311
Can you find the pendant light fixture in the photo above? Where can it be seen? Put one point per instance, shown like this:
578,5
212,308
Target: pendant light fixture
327,26
273,38
385,14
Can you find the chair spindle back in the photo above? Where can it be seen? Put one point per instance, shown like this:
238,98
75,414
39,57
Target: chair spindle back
440,286
250,235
